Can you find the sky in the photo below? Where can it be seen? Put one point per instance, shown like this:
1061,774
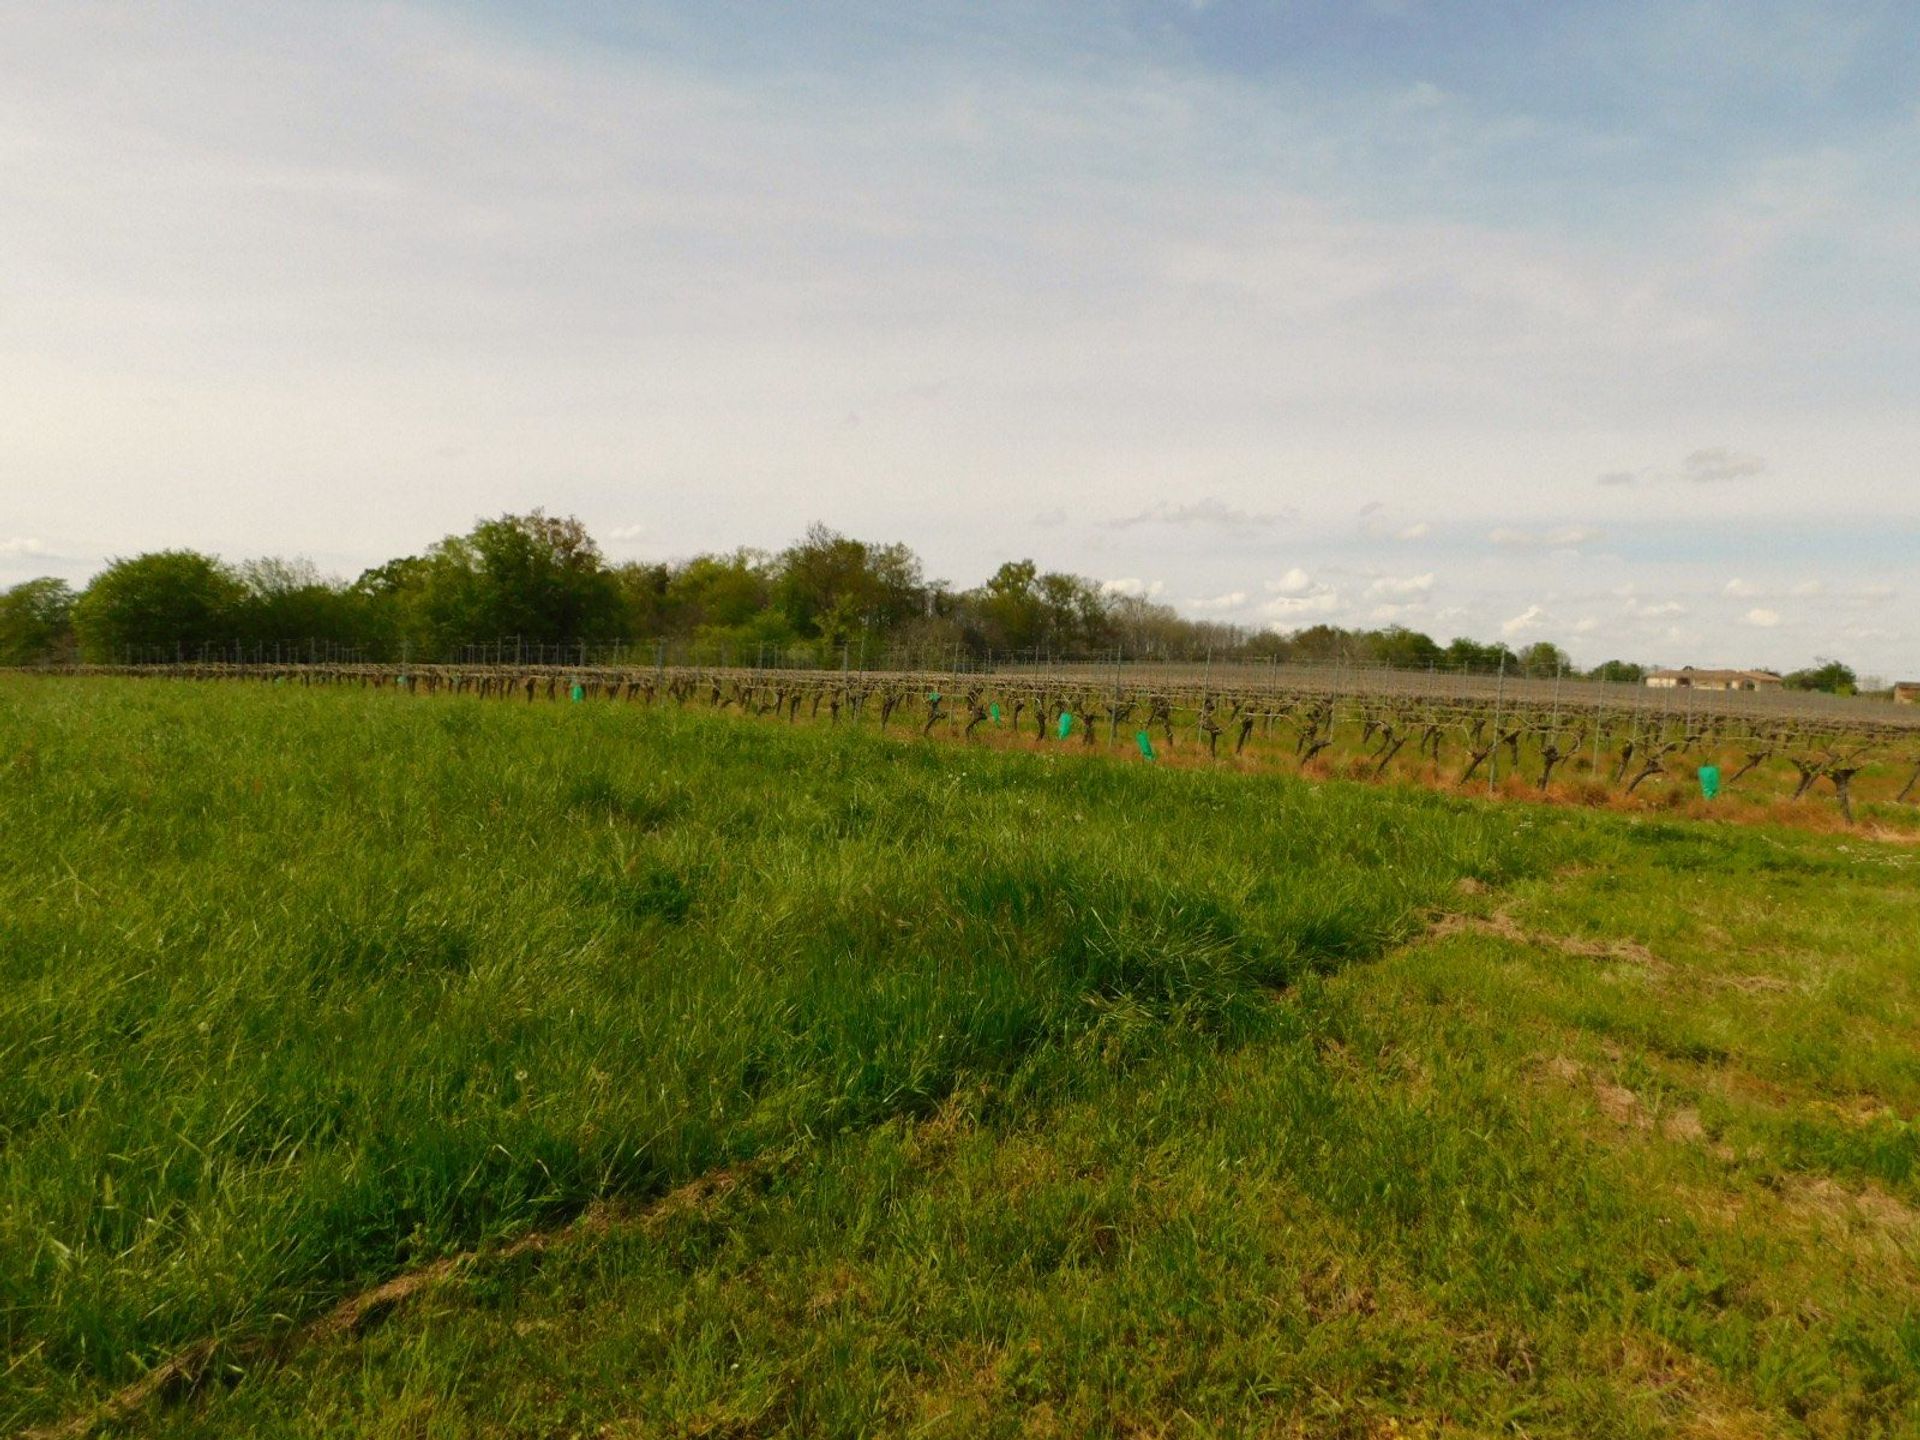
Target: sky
1590,322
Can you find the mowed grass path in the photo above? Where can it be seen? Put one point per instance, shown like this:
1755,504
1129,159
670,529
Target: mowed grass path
300,989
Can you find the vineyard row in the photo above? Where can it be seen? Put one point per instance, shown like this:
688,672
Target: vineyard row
1620,739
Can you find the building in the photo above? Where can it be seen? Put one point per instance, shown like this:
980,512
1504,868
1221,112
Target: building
1907,692
1688,678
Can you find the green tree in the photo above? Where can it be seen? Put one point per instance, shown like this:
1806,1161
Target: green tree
1404,648
719,592
389,602
1475,658
36,622
288,604
1327,642
645,604
1074,614
1269,645
1544,658
1021,608
165,602
534,578
1828,675
1007,611
833,588
1619,672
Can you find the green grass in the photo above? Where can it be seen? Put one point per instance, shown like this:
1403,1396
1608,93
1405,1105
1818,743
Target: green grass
1093,1098
301,988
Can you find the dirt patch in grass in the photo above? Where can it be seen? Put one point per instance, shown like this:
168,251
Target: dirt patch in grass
1502,926
1623,1106
1869,1213
1742,1087
1858,1111
1750,984
1684,1125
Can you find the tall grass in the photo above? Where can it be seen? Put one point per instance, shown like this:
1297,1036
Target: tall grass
299,988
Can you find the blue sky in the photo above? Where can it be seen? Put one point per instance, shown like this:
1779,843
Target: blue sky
1595,323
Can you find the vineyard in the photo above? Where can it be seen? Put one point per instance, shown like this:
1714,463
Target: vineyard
1578,740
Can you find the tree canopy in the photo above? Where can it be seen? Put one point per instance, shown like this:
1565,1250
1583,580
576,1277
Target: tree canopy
1824,674
537,584
177,599
36,622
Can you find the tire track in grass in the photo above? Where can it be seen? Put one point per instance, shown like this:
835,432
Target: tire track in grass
186,1371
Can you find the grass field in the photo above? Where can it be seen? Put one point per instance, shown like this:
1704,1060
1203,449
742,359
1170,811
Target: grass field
869,1086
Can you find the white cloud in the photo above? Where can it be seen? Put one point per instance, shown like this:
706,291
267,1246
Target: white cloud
1421,95
1378,523
1208,510
1232,600
1704,466
1564,537
1720,463
1284,607
1133,588
1765,619
1296,594
22,545
1573,535
1585,625
1530,618
1401,585
1807,588
1654,610
1295,582
626,532
1739,587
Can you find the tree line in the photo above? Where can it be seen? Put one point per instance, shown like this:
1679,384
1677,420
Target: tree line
535,583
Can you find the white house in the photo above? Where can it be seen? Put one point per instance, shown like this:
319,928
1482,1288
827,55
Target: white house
1688,678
